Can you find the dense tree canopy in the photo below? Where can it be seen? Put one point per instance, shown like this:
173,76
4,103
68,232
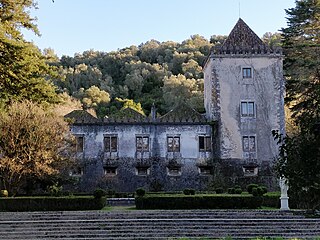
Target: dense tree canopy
299,160
23,69
34,143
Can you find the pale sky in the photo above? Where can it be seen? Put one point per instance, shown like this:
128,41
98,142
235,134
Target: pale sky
74,26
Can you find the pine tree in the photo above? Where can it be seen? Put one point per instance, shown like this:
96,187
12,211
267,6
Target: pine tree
23,68
302,62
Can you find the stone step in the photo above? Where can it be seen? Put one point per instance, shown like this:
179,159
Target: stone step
156,224
146,214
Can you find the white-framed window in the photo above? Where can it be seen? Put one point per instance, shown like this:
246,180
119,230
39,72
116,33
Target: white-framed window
246,72
173,143
142,143
143,171
79,143
110,171
204,144
174,171
247,109
110,143
249,143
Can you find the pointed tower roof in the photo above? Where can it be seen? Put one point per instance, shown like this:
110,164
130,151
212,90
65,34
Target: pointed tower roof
242,40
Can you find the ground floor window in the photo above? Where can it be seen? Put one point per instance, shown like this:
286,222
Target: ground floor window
174,171
205,170
142,171
110,171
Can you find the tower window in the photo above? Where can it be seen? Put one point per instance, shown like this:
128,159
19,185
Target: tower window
80,143
247,109
247,72
249,143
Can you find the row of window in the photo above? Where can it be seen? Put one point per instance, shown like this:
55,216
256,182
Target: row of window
142,171
110,143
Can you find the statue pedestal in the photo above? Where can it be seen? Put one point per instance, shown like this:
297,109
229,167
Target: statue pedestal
284,203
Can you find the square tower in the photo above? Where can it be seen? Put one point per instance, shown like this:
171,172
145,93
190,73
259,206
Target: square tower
244,92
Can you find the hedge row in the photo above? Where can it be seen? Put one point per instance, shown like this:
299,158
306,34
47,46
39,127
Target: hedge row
198,202
21,204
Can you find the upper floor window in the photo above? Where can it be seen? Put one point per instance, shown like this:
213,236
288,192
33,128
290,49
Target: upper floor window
247,72
173,143
249,143
142,143
204,144
80,143
110,143
247,109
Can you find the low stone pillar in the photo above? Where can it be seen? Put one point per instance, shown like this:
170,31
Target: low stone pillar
284,199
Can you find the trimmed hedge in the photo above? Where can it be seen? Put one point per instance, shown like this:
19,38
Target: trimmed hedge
24,204
198,202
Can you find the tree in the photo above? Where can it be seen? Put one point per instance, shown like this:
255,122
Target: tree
129,103
34,143
302,62
23,68
299,158
179,89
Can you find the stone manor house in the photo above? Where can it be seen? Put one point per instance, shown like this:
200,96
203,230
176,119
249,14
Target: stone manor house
231,144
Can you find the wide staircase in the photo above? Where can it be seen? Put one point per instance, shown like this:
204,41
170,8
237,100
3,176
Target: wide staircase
157,224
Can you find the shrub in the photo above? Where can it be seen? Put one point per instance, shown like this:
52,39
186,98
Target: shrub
20,204
55,190
254,191
4,193
198,202
219,190
264,189
99,193
251,186
238,190
258,190
189,191
231,191
140,192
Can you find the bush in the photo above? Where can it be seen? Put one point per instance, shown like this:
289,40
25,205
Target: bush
55,190
238,190
219,190
231,191
21,204
264,190
189,191
140,192
251,186
254,191
198,202
258,190
4,193
99,193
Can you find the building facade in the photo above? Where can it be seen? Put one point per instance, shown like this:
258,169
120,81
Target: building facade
231,144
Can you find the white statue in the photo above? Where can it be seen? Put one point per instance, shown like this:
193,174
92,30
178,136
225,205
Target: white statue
284,194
